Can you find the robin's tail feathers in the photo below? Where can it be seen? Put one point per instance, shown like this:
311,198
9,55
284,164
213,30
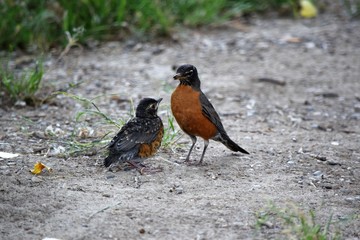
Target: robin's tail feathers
230,144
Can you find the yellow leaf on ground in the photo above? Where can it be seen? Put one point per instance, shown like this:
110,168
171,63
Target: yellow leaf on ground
38,167
308,9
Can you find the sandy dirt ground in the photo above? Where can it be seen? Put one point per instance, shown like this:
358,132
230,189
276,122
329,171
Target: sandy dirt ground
288,91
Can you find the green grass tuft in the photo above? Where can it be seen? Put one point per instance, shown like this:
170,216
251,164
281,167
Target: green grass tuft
293,223
171,135
21,86
352,7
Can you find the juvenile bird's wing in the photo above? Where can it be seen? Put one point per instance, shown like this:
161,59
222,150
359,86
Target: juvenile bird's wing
209,111
134,133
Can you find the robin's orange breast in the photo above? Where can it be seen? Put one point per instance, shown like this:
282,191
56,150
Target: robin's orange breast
187,110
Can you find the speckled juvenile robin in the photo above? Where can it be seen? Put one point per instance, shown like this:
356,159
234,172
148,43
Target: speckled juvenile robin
140,137
195,114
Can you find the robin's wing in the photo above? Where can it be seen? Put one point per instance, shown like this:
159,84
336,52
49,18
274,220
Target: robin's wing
209,111
134,133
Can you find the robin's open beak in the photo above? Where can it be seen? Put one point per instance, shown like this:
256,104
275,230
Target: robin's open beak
177,76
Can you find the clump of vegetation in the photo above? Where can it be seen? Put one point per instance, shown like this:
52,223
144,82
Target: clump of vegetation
42,24
352,7
293,223
86,144
171,135
21,86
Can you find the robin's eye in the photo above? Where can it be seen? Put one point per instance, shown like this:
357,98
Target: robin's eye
189,72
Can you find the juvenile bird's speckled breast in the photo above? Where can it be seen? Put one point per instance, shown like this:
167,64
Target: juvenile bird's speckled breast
149,149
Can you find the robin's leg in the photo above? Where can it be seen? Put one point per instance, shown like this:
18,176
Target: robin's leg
206,143
193,139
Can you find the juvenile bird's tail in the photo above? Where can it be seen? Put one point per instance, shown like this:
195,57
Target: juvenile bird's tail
109,160
230,144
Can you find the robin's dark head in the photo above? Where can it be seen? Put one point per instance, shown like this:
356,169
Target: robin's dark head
187,74
148,107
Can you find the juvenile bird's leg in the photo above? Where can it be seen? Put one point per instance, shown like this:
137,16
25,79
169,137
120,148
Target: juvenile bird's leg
138,166
193,139
206,144
142,168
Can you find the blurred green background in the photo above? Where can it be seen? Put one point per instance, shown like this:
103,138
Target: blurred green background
42,24
37,26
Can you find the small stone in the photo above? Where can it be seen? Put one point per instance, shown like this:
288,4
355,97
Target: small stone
310,45
315,126
267,224
335,143
51,131
328,186
353,199
176,189
85,132
317,173
330,95
20,103
56,151
321,158
333,163
179,190
142,231
212,175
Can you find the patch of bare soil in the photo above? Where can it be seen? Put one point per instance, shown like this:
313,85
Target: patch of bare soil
288,91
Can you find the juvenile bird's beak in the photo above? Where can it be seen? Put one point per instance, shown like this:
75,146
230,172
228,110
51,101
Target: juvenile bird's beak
159,100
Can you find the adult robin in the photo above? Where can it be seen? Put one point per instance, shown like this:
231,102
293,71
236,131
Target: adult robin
140,137
195,114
